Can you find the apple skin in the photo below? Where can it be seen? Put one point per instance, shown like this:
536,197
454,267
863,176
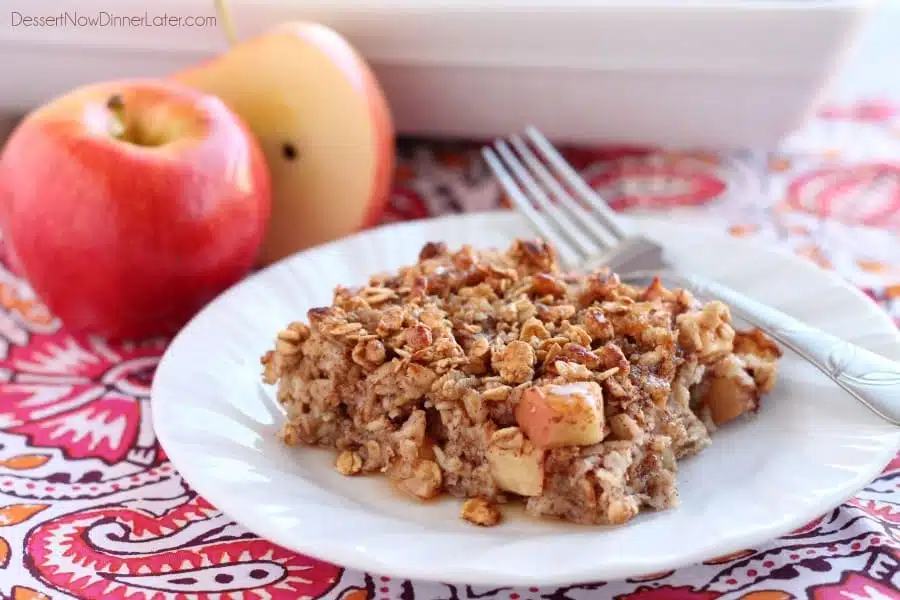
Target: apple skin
128,238
302,85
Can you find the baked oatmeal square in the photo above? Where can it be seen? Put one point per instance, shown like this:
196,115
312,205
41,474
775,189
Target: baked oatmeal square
496,377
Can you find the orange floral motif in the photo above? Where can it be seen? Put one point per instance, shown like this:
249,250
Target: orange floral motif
892,291
779,164
743,230
768,595
14,514
876,267
23,462
4,553
31,311
354,593
815,254
23,593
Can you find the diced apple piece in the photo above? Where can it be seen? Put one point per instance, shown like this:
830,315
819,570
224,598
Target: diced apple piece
728,391
516,464
552,416
727,401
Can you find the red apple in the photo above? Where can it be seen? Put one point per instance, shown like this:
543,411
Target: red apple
128,205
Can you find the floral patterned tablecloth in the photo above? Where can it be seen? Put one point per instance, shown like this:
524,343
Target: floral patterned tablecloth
91,507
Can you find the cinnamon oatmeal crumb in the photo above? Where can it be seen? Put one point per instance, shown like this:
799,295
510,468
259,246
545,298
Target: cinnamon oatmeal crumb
348,463
577,335
597,325
375,296
510,438
479,512
369,353
270,372
479,356
622,511
425,482
391,320
708,332
572,371
288,434
611,356
289,335
515,362
286,348
419,337
576,353
544,284
433,250
535,254
533,328
555,314
624,427
551,352
472,401
496,394
604,375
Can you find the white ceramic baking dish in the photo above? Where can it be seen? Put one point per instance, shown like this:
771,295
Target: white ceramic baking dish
722,73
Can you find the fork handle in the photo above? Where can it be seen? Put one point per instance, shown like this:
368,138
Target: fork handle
872,379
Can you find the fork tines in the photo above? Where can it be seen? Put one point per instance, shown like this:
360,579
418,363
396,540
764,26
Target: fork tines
552,196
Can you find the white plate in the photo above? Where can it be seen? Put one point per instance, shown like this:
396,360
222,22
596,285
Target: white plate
810,447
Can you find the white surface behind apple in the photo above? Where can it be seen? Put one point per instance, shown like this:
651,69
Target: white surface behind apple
719,73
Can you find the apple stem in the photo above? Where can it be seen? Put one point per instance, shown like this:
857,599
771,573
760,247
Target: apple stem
116,107
227,22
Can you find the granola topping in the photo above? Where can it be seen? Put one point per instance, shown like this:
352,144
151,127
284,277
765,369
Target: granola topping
496,377
479,512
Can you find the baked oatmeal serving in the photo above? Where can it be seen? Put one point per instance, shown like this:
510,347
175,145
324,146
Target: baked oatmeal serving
497,377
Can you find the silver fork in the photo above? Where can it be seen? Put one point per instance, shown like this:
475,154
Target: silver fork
587,235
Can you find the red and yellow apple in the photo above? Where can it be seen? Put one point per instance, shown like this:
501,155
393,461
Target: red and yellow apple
322,121
130,204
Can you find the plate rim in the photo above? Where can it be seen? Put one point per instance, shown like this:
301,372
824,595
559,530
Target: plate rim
369,562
